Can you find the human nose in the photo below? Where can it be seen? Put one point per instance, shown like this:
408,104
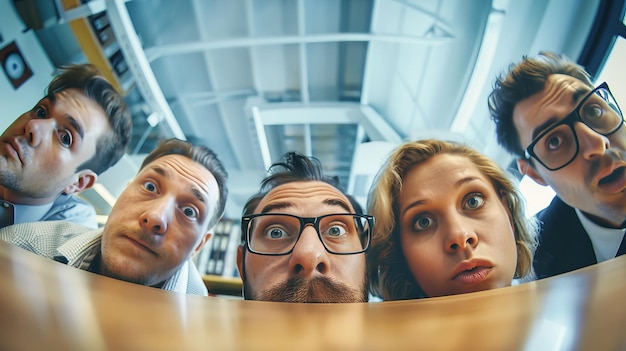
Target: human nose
309,257
156,217
36,130
460,237
592,144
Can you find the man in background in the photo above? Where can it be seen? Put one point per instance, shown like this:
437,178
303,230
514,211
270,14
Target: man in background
569,135
161,219
58,148
302,239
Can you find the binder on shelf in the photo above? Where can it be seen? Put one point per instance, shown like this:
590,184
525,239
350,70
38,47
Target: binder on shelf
97,40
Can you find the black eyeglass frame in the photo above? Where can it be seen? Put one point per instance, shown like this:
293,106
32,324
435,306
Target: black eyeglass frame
572,118
315,222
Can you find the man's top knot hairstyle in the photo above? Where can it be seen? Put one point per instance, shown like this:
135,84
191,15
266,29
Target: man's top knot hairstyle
296,167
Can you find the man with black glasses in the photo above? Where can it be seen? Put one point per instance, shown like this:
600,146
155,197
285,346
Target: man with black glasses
303,239
569,135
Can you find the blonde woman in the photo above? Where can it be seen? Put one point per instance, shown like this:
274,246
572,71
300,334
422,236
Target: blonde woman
448,221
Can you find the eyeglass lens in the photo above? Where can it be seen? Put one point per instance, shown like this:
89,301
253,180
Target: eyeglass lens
276,234
559,146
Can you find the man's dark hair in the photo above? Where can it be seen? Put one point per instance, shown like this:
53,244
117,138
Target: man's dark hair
202,155
87,78
523,80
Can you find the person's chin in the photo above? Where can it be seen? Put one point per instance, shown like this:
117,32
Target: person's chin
123,268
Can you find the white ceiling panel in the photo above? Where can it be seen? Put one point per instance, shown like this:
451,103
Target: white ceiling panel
324,76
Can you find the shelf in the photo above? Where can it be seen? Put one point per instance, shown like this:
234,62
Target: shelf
101,48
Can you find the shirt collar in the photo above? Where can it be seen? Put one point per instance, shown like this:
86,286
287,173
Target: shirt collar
605,241
30,213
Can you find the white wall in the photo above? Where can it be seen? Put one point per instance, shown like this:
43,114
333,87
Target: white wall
15,102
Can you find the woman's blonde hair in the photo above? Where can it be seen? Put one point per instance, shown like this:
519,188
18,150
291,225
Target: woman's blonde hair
389,275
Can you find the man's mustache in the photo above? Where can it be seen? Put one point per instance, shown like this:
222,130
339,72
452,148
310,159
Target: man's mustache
316,290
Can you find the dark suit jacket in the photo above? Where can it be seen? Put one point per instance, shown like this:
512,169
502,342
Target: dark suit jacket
564,245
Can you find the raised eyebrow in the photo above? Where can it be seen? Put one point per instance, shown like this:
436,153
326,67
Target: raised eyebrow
159,170
337,202
199,195
283,205
466,180
543,126
578,94
275,206
459,182
76,125
410,206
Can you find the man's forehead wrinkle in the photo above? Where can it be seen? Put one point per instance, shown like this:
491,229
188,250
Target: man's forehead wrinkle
202,186
560,93
184,171
303,195
572,88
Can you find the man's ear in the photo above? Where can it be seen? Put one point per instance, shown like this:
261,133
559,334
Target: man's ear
527,169
205,238
240,261
85,180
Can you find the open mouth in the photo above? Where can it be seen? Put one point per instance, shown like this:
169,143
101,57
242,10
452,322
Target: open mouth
617,174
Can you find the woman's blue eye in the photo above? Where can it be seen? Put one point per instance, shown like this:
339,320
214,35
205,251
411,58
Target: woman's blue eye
474,201
422,223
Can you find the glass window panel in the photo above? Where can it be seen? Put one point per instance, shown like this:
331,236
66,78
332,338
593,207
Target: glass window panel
537,196
613,72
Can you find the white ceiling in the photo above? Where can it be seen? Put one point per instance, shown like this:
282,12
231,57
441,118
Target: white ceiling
253,79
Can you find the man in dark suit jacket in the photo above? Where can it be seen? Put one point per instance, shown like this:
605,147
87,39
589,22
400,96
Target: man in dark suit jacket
570,135
565,245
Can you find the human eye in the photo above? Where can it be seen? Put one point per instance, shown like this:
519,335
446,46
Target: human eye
190,212
592,112
554,141
40,112
65,137
276,232
422,222
335,231
150,186
474,201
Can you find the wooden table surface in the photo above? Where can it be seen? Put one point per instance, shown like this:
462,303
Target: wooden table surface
45,305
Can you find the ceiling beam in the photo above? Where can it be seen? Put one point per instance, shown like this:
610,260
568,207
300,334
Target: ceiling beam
139,65
374,125
481,74
156,52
